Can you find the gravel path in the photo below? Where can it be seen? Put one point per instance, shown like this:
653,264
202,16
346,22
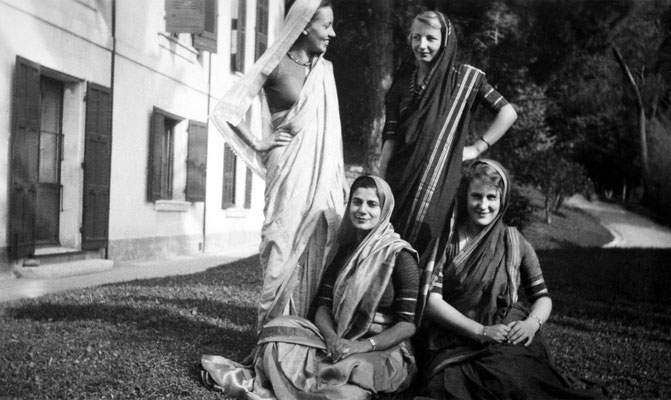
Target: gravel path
628,228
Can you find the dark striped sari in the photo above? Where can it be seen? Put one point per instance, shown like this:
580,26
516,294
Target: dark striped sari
482,282
429,125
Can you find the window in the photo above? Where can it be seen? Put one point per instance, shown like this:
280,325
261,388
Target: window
207,39
238,26
228,191
198,17
161,155
261,28
248,188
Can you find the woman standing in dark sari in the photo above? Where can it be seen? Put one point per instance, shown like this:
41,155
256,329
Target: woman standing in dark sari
483,343
428,109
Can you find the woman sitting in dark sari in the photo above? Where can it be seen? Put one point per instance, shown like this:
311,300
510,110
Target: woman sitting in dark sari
482,341
359,343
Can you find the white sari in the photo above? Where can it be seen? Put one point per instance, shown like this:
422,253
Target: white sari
304,194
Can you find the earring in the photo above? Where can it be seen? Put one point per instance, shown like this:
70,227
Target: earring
305,31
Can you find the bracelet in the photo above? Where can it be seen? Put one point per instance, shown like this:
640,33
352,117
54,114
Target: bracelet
534,316
484,332
486,142
372,343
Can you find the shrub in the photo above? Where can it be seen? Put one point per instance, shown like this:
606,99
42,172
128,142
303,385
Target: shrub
520,211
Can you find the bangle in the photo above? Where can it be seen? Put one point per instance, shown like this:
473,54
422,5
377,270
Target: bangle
484,332
486,142
372,343
534,316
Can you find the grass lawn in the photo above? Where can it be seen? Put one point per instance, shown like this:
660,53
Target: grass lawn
143,339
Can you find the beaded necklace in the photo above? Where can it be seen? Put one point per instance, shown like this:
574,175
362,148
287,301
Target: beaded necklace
299,62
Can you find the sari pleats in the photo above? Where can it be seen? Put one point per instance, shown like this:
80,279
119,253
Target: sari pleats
291,363
303,199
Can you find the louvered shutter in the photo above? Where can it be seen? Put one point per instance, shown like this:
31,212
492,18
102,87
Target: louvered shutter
97,158
207,40
24,158
261,28
184,16
242,25
156,137
196,161
228,190
248,188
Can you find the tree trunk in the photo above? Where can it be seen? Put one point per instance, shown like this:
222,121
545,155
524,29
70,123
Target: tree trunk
378,77
559,201
547,206
641,119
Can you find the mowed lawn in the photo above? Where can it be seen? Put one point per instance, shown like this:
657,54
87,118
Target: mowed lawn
143,339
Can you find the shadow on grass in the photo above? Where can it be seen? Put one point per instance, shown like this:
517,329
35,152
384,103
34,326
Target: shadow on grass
171,321
240,273
627,289
617,299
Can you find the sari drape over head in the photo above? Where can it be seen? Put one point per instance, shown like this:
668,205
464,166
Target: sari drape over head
304,179
291,360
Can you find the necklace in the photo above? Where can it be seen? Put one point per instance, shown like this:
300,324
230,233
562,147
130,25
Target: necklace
299,62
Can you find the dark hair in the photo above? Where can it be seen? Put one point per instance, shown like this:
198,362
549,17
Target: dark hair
364,181
478,171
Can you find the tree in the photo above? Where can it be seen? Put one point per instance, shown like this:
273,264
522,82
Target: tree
556,177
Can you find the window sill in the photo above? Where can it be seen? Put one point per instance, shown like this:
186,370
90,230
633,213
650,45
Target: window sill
236,212
172,205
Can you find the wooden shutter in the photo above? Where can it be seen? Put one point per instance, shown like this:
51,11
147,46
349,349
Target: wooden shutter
97,159
228,190
196,161
156,137
184,16
261,28
248,188
24,158
207,40
242,25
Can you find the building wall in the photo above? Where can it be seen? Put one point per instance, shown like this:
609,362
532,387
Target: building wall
152,69
70,37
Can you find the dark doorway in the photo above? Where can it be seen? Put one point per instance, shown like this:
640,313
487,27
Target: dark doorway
50,154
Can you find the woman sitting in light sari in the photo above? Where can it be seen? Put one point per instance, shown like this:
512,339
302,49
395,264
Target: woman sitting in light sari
359,342
482,342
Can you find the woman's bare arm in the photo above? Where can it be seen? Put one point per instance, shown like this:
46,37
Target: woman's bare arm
502,122
449,317
276,139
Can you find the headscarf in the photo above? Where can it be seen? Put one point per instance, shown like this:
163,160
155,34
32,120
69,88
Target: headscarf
362,280
434,99
238,99
483,273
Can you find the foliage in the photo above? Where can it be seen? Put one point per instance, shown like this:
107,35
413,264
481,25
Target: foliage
520,211
556,177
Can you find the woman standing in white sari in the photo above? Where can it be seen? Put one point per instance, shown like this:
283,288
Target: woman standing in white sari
299,154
